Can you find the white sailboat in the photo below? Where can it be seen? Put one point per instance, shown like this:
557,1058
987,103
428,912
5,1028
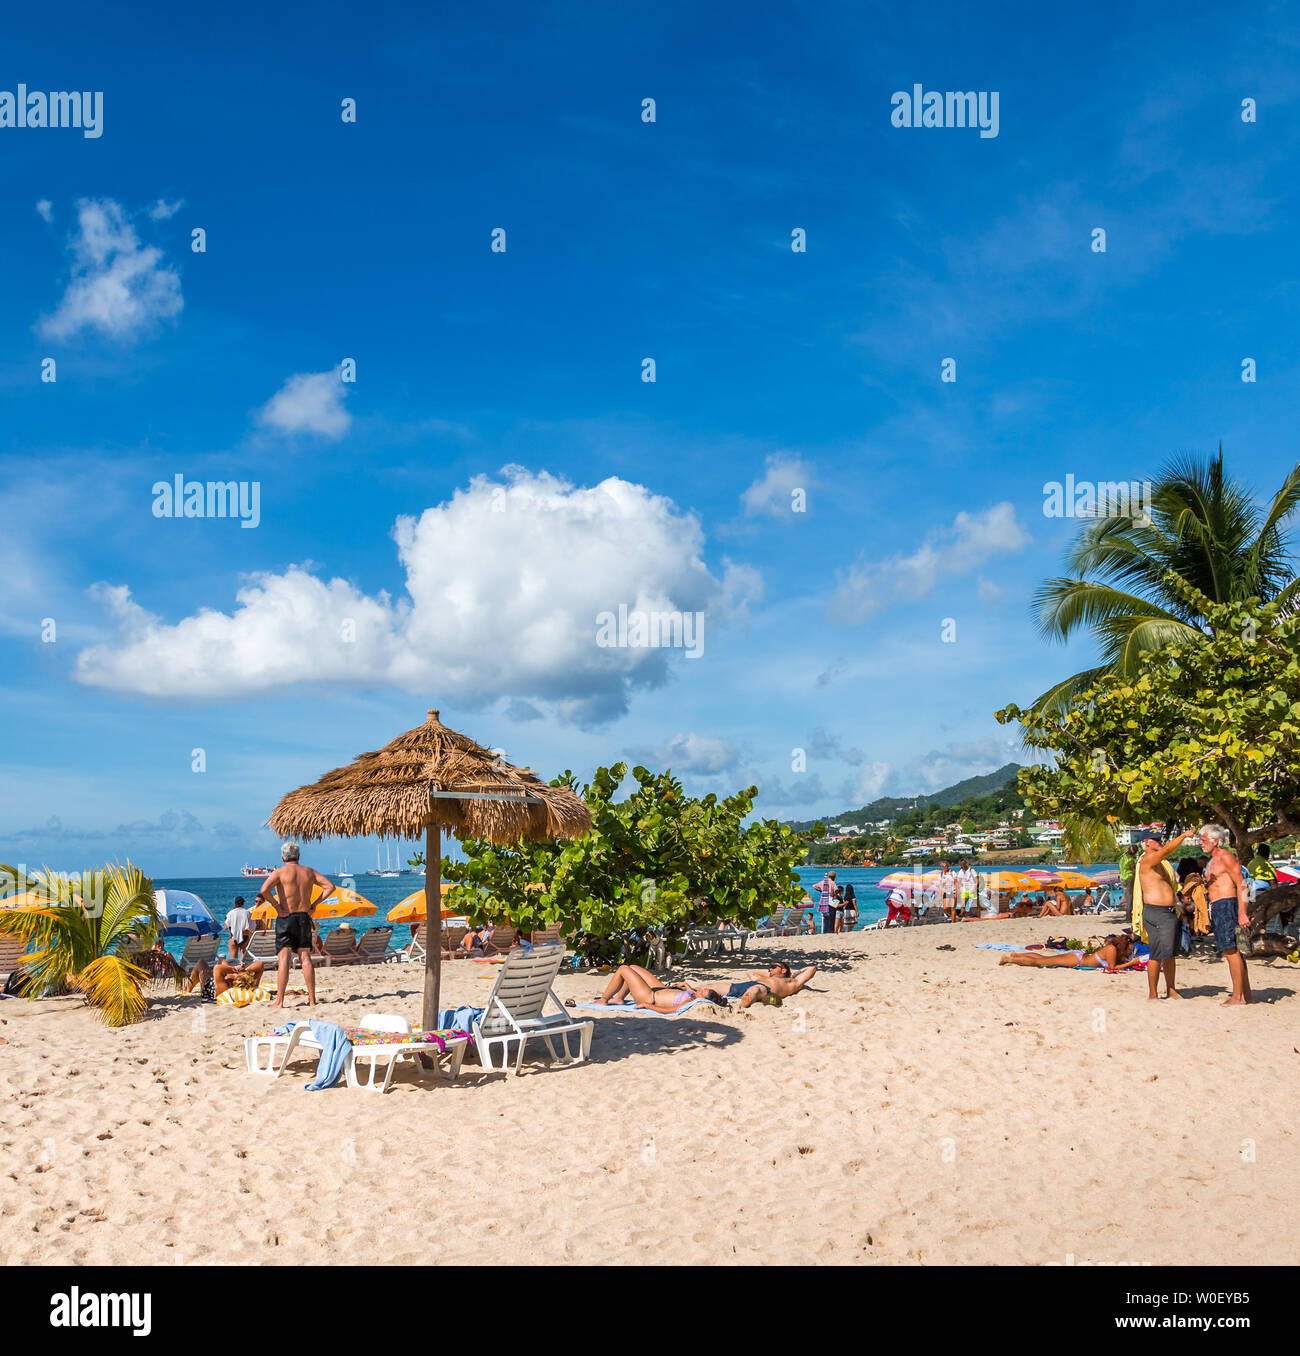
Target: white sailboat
388,869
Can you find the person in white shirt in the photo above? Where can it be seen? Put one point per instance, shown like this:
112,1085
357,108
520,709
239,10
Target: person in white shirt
968,886
240,923
947,891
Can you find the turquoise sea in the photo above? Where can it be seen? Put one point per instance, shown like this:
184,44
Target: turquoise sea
218,893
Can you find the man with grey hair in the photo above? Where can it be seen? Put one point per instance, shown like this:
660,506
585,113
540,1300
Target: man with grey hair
1229,898
290,888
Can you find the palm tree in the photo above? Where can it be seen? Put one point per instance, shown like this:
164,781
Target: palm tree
79,932
1133,579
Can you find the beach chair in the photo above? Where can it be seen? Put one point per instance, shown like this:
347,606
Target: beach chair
415,951
791,924
515,1010
451,940
775,926
503,939
268,1054
373,945
12,950
545,936
261,946
340,949
370,1055
199,949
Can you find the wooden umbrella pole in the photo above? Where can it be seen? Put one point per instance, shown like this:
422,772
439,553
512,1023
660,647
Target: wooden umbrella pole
432,925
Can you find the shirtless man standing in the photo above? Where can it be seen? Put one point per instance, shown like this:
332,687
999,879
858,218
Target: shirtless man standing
289,889
1159,910
1229,896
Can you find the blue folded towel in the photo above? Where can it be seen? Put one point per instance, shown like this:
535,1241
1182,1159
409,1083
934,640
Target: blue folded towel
459,1019
334,1051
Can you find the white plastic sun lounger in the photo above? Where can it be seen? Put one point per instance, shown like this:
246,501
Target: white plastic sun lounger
516,1010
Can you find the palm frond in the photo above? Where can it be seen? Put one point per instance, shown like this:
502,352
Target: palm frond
1056,700
114,987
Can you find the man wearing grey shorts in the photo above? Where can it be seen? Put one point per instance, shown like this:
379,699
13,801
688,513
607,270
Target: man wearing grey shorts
1159,908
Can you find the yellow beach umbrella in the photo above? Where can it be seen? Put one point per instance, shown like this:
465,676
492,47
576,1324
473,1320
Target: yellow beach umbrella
341,904
414,910
29,899
999,881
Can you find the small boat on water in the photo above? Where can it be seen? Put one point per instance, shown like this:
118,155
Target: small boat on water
247,870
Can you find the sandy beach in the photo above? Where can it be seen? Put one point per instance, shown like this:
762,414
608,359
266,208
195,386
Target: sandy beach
915,1105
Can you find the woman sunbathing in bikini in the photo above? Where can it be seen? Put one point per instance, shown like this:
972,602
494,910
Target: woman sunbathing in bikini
645,990
213,980
1115,953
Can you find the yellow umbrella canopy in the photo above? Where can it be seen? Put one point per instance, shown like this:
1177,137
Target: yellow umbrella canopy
425,780
999,881
341,904
413,909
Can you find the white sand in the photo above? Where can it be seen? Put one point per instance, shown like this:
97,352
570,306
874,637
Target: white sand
918,1105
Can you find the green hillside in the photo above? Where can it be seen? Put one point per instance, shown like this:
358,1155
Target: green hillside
890,807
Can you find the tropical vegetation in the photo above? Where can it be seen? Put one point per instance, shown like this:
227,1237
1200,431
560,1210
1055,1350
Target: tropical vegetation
1142,582
81,931
653,865
1205,732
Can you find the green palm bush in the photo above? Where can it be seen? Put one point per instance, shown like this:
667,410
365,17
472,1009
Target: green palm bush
1203,528
81,934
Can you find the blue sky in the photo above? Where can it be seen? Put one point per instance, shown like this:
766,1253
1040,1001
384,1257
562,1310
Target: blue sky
499,472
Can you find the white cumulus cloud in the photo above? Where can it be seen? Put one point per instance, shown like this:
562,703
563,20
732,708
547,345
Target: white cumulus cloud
503,586
45,210
117,286
871,585
309,402
164,211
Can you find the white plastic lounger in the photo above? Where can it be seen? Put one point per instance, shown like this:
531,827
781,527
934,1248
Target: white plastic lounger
516,1010
278,1050
451,1058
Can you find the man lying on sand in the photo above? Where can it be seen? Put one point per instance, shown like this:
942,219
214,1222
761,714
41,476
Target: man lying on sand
764,986
213,981
1115,953
637,983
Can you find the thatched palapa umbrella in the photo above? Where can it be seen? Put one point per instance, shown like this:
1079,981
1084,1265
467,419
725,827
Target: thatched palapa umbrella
426,780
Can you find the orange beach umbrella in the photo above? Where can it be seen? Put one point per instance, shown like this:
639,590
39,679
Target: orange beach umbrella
341,904
413,908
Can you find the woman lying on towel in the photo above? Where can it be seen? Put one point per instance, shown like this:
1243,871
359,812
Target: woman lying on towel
761,986
1115,953
645,990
